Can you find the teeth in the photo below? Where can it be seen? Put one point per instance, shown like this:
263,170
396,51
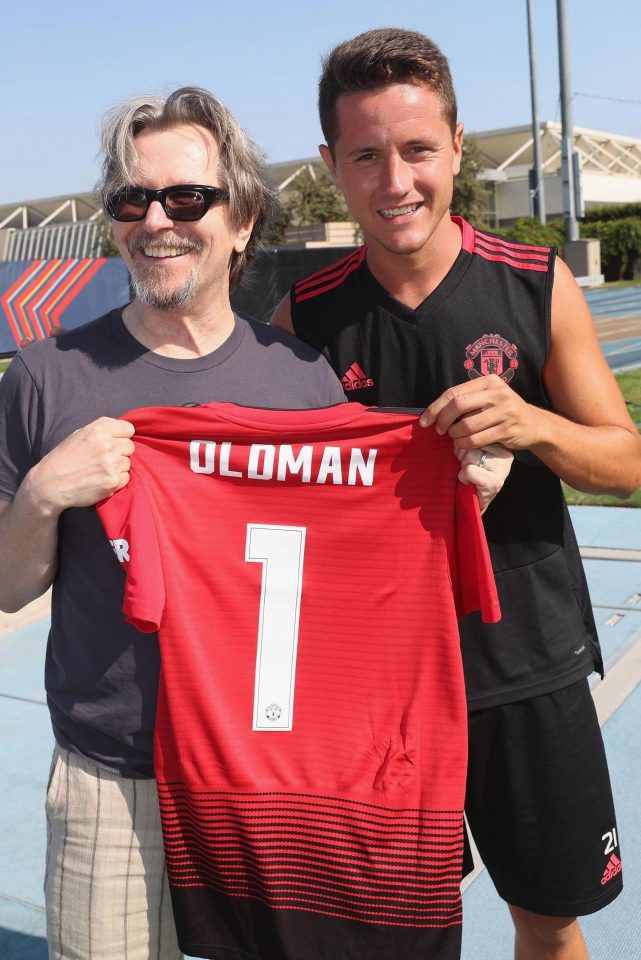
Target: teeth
399,211
163,251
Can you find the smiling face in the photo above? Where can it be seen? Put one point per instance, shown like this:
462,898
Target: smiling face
173,264
394,159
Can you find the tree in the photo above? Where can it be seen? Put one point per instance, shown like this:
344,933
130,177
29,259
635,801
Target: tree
108,245
470,193
314,199
620,246
532,231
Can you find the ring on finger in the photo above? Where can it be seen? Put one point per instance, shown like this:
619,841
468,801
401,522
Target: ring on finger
483,459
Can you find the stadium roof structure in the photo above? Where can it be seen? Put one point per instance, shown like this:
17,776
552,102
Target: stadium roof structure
51,228
72,208
603,153
610,168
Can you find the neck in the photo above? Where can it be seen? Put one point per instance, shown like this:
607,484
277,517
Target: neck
181,334
411,277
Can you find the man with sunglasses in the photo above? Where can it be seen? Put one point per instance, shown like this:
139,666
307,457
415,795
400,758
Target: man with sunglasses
188,201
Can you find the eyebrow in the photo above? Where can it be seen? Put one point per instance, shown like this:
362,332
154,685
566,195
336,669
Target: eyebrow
426,141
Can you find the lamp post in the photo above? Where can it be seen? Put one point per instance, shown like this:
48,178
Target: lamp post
538,193
567,130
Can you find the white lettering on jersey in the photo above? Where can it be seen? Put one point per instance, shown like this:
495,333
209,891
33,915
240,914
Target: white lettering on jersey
358,468
225,452
196,465
121,549
331,466
265,461
288,464
267,453
281,551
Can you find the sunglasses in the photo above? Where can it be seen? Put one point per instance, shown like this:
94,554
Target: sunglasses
184,202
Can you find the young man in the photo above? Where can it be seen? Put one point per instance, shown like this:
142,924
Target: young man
188,201
494,338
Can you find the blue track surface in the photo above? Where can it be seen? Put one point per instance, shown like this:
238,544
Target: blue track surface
621,302
622,354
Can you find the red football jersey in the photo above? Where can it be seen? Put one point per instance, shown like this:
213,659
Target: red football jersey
305,571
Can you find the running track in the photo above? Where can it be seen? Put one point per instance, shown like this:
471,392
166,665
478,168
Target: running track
617,315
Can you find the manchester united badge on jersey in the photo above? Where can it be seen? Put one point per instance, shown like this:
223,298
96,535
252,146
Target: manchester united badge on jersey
491,353
273,712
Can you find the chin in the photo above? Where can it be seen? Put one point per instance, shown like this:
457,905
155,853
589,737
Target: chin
158,296
404,245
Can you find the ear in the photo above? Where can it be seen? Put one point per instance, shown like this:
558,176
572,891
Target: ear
242,236
328,160
458,147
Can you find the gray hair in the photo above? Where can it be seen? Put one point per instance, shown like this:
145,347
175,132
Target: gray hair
252,196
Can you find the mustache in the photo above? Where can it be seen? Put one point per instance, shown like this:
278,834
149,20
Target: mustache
172,242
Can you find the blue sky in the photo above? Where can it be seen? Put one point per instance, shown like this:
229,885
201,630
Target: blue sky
64,64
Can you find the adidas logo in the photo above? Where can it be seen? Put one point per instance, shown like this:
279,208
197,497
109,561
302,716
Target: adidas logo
613,868
356,379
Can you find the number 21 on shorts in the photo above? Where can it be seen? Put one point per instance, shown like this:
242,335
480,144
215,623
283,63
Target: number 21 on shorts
281,551
611,840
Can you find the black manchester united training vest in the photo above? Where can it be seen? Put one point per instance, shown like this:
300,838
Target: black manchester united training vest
490,314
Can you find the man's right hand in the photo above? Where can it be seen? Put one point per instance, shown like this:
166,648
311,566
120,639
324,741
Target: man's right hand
90,464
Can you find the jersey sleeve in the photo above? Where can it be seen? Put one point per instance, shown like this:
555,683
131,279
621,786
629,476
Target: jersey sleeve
128,521
472,574
19,426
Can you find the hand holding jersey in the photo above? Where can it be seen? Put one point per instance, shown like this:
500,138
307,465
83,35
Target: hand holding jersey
487,469
92,463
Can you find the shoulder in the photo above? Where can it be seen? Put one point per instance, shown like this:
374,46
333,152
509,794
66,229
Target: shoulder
291,364
495,248
87,332
65,340
57,356
268,335
333,278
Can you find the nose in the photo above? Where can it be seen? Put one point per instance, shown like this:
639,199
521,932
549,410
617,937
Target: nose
396,175
156,218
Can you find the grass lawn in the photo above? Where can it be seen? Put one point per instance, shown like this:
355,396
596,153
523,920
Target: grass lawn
4,364
630,383
613,284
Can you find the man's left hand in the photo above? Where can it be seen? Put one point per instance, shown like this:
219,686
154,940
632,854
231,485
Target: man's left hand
486,468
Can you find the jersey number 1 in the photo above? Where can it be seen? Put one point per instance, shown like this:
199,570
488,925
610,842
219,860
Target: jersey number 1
281,551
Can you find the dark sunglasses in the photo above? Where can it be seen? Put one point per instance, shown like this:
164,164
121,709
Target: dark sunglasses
185,201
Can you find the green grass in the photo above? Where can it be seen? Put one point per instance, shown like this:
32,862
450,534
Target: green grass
4,364
613,284
630,383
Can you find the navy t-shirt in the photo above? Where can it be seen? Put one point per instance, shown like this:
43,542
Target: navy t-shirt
101,674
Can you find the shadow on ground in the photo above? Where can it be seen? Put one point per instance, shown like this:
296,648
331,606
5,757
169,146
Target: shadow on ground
21,946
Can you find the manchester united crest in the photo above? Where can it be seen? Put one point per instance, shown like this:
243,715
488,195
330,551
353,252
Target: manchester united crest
491,353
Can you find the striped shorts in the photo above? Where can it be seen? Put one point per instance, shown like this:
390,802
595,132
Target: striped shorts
106,889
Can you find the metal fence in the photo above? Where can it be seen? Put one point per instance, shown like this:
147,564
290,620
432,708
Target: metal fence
57,242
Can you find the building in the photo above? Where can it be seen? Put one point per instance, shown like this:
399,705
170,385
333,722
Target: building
49,229
610,169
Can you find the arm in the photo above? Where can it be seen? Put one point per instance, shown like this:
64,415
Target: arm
90,464
588,439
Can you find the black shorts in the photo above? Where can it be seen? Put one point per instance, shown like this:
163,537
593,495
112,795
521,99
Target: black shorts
539,803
